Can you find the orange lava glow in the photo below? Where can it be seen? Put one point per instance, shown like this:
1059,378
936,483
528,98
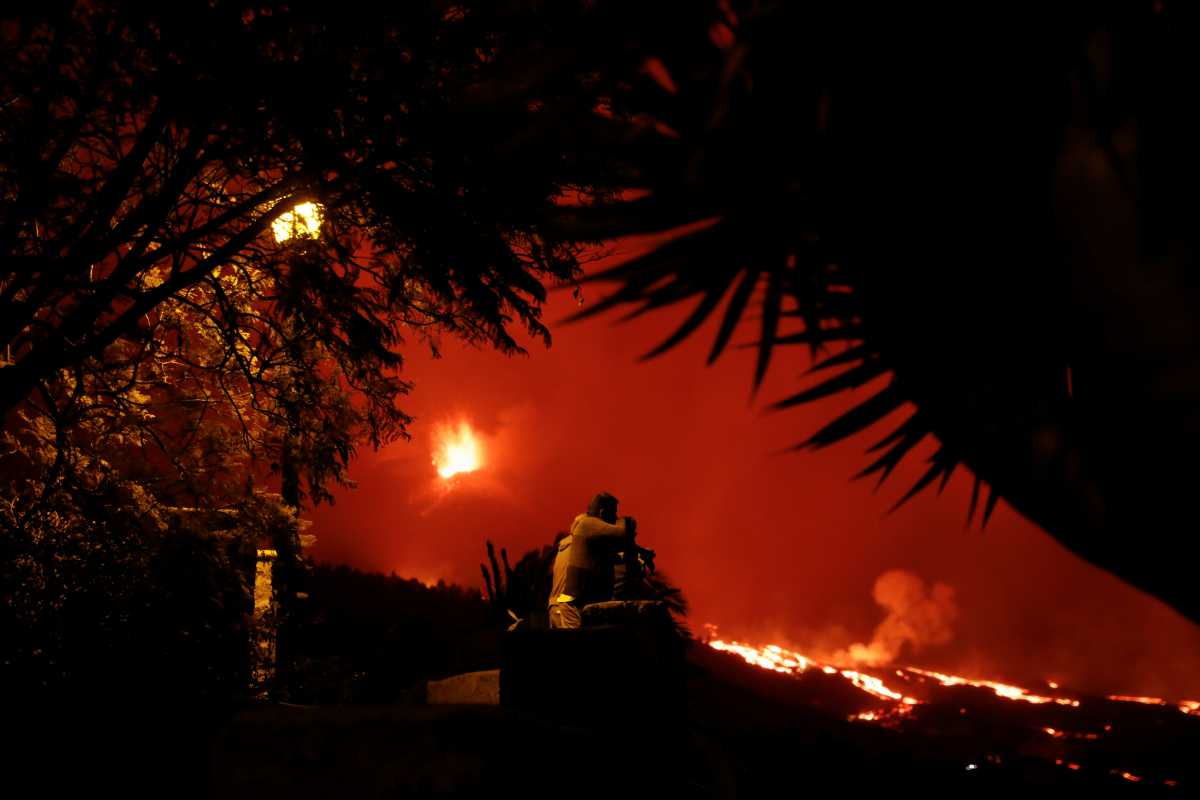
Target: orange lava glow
898,706
1186,706
457,450
780,659
884,716
772,657
1001,689
872,685
1150,701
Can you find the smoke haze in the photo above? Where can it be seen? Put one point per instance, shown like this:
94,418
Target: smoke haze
917,618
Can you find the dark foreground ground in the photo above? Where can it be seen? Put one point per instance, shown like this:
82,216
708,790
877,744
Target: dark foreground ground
747,733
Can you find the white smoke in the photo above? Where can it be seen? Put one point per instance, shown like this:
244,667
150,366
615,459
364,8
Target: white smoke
915,617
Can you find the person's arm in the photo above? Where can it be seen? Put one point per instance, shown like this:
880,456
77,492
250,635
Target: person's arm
597,531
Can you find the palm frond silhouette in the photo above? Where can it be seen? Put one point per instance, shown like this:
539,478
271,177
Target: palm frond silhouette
995,221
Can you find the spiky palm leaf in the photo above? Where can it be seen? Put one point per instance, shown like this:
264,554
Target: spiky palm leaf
903,198
743,161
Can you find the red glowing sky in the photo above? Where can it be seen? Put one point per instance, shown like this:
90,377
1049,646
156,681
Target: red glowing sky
770,546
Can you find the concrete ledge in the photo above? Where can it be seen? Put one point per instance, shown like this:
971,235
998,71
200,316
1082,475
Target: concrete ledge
473,688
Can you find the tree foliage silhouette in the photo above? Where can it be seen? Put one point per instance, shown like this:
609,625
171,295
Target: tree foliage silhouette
1000,241
173,328
158,302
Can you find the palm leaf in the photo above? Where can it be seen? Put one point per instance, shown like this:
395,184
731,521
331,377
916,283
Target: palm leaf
733,312
855,376
993,497
770,324
711,300
856,353
974,500
888,461
856,419
941,462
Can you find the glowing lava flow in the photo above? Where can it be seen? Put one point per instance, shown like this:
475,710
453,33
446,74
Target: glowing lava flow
899,711
457,451
772,657
872,685
1001,689
1186,706
779,659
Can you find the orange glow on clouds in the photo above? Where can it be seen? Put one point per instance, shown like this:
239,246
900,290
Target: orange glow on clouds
456,449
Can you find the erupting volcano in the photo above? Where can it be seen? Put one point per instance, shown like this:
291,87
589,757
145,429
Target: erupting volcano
457,450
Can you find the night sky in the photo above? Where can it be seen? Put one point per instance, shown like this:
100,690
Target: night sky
769,545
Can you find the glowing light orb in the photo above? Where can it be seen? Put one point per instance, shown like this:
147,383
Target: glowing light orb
303,222
458,450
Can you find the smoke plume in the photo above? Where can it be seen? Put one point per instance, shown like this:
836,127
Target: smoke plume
916,617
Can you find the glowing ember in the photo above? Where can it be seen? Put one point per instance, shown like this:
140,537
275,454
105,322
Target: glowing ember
302,222
888,717
457,451
1057,734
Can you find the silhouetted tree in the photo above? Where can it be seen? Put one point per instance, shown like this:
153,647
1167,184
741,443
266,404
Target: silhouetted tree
522,590
220,223
163,301
369,638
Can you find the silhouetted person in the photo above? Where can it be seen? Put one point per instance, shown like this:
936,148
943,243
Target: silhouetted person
583,566
632,567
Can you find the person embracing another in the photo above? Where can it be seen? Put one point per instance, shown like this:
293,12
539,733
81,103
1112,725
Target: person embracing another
586,558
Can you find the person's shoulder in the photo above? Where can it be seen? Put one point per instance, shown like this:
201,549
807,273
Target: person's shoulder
587,527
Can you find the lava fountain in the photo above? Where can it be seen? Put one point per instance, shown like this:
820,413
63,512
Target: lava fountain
456,450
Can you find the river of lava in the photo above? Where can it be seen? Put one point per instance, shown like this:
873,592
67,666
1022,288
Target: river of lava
1099,739
780,659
